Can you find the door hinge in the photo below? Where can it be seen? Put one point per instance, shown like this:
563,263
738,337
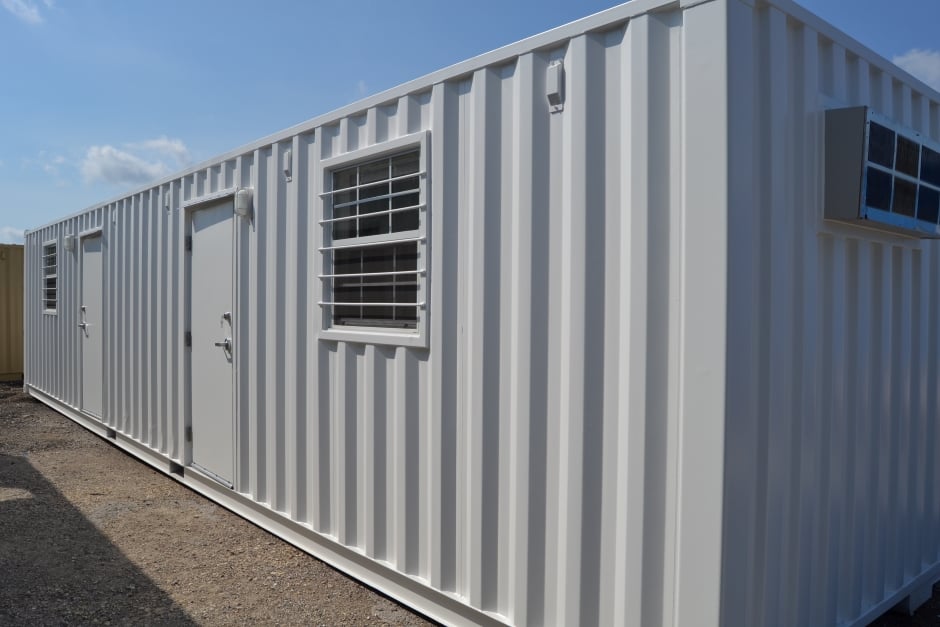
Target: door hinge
189,434
188,244
188,339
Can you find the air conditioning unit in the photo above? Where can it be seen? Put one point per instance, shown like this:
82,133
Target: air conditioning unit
880,174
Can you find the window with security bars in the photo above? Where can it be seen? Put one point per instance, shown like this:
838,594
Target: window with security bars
373,215
379,282
49,277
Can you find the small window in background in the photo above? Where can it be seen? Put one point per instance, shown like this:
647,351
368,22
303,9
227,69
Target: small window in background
49,277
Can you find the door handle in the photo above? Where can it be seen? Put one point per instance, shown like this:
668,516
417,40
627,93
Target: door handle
82,325
226,344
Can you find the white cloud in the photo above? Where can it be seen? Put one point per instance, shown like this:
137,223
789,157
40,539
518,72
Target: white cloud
165,146
111,165
924,64
134,163
52,166
11,235
26,10
362,88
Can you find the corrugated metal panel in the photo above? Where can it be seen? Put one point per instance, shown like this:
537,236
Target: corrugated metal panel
831,501
623,297
11,311
527,464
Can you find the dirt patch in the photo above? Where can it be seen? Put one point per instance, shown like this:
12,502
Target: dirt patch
127,545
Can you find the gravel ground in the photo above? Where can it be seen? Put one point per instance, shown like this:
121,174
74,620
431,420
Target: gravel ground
78,546
90,535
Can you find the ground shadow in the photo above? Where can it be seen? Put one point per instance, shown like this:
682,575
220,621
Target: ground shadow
928,615
57,568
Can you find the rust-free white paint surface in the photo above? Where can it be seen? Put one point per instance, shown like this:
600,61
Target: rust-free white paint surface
657,387
91,329
831,505
212,352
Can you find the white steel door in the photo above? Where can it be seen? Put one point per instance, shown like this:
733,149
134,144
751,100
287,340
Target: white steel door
90,326
210,302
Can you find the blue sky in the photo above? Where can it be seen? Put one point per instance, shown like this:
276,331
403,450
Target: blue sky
99,96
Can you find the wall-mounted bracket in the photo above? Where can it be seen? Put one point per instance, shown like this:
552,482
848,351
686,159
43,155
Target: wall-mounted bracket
286,164
555,86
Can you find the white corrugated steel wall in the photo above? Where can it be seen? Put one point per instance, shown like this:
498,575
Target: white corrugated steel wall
832,500
528,463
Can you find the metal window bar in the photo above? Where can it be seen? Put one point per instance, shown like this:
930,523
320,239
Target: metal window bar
420,173
383,284
361,304
385,242
897,173
361,274
360,201
327,303
419,206
50,277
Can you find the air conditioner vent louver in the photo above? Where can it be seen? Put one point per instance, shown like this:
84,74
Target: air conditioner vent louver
880,174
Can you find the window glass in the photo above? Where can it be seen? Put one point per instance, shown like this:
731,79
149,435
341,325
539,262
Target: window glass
371,172
376,284
930,166
376,274
905,197
878,189
50,277
908,155
881,145
345,178
405,164
928,205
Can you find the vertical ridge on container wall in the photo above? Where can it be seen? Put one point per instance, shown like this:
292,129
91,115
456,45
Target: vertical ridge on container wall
828,474
648,383
499,464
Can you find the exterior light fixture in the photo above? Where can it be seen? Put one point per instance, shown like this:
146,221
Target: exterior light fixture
243,203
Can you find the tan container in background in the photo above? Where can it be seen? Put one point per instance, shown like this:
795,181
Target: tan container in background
11,312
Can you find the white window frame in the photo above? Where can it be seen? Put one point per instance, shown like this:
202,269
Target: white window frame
54,244
418,336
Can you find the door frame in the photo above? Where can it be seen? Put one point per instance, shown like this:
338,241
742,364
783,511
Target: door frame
80,240
187,209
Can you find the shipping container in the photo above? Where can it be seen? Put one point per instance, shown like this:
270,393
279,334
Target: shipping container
11,312
629,323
